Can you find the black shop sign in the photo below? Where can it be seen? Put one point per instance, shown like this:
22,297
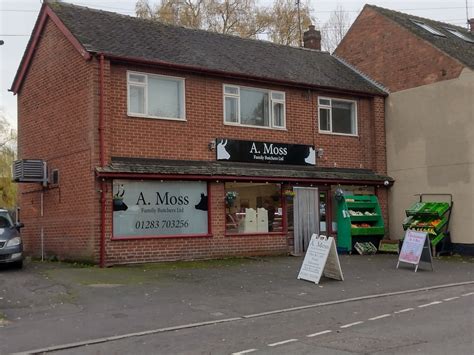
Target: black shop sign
264,152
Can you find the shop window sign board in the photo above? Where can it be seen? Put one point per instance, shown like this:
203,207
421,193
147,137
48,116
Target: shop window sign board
321,259
416,248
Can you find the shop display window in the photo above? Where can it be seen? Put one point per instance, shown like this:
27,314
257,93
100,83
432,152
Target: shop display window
153,209
253,208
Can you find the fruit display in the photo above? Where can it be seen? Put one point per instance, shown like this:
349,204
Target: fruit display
360,213
359,220
431,225
430,217
360,225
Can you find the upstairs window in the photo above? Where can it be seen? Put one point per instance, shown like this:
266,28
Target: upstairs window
155,96
460,35
337,116
254,107
428,28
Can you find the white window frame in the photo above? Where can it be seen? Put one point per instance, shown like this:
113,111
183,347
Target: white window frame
329,107
459,34
428,28
145,85
270,108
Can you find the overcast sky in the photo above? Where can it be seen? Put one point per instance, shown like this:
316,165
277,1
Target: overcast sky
17,18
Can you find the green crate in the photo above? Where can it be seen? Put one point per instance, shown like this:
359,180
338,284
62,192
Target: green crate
437,239
389,246
441,224
415,208
441,208
361,205
365,218
368,231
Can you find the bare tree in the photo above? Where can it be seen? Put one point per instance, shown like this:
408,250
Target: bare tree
243,18
177,12
7,134
284,27
239,17
334,30
7,156
144,10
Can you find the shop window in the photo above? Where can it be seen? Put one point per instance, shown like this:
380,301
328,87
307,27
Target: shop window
337,116
155,96
253,208
254,107
159,209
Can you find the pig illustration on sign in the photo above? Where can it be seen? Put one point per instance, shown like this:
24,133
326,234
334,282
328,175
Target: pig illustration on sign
311,158
222,153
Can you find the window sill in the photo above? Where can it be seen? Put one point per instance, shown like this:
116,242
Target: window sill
338,134
135,115
118,238
259,127
255,234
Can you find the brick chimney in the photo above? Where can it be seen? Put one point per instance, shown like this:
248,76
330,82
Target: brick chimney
471,24
312,38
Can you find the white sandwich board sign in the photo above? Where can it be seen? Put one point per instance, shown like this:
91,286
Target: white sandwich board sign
321,259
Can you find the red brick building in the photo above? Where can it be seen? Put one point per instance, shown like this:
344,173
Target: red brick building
173,143
428,66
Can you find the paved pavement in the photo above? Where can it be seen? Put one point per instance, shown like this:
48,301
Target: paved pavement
53,303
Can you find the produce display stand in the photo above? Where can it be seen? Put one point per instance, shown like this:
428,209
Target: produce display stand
433,218
359,219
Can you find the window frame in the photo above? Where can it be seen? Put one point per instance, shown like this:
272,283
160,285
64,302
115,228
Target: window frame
458,34
428,28
145,85
354,102
270,108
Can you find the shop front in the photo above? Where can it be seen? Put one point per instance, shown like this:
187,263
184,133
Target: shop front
269,201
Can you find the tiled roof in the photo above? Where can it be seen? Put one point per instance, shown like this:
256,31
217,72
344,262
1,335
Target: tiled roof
130,37
450,44
120,165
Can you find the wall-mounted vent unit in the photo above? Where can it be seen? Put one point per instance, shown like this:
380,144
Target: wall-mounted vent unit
30,170
54,177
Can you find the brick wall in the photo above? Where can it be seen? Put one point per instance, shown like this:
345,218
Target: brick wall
58,122
392,55
155,138
56,107
150,138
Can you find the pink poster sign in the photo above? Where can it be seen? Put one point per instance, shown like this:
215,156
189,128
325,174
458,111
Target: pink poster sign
412,247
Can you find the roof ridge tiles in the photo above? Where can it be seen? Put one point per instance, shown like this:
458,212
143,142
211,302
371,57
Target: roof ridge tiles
365,76
201,30
419,18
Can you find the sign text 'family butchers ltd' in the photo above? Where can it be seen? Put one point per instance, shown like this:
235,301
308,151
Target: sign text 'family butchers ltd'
264,152
154,208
